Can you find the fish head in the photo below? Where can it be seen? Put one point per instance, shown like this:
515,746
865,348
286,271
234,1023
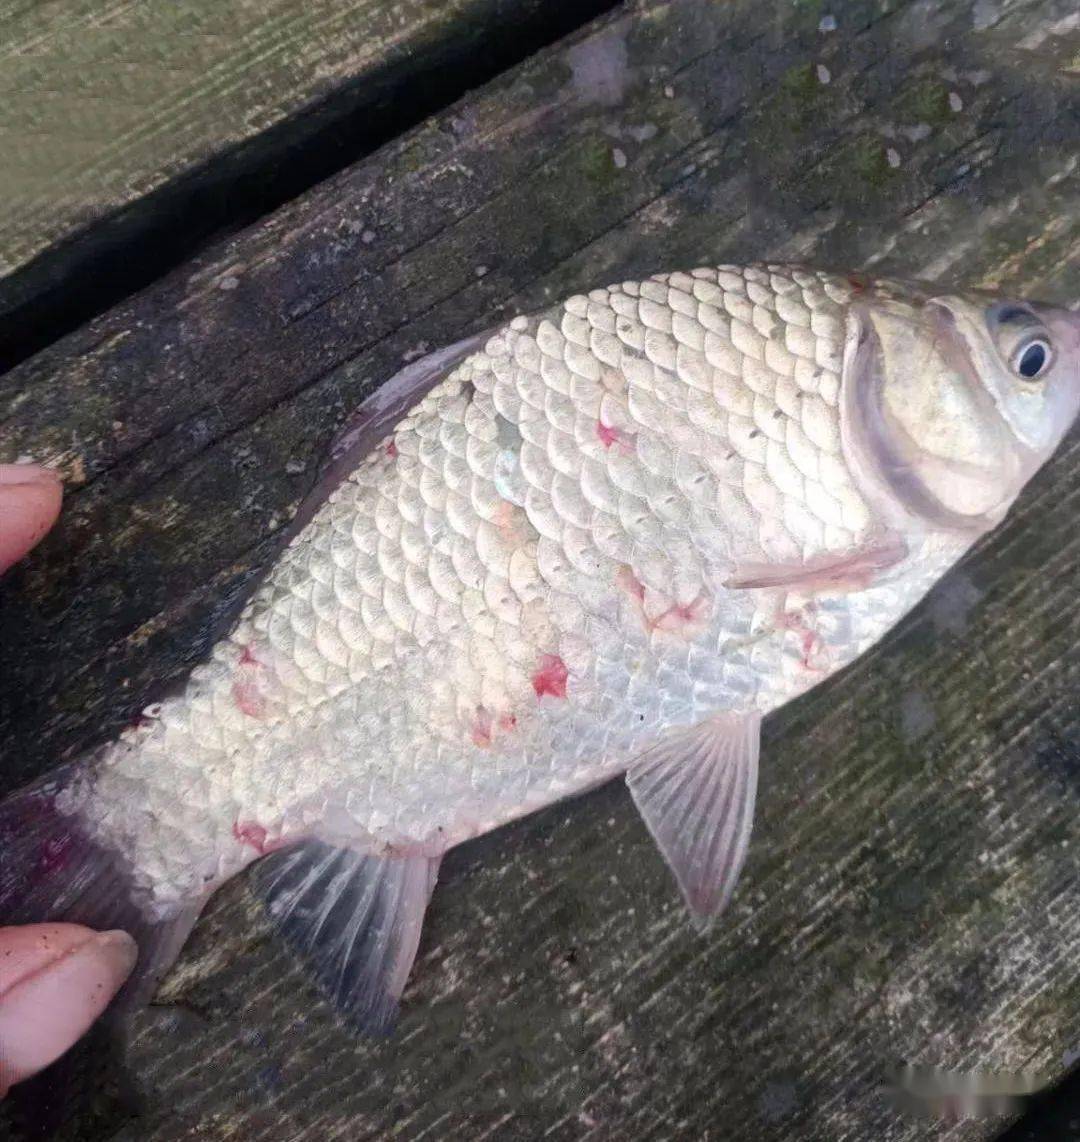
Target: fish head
952,402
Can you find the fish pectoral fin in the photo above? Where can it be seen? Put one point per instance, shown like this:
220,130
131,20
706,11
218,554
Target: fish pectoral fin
841,571
695,789
355,920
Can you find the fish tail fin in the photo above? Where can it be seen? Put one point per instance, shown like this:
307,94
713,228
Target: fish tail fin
54,868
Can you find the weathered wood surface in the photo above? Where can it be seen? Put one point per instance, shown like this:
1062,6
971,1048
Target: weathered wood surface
912,889
134,132
104,101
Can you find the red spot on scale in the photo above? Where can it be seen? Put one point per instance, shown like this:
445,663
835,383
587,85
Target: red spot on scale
630,583
484,724
809,640
609,435
505,518
858,282
391,449
684,618
246,690
551,677
250,834
481,727
248,699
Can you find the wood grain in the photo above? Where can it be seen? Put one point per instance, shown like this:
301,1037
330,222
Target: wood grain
911,891
105,101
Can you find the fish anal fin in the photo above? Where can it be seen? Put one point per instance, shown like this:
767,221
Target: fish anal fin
354,919
847,571
695,789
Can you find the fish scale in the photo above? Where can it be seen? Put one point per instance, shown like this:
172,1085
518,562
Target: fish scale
607,537
417,568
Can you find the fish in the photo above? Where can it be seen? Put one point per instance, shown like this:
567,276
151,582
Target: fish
603,539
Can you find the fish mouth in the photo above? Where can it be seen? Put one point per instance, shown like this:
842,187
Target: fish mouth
881,451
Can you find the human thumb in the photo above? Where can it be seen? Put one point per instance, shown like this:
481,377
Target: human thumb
29,504
55,980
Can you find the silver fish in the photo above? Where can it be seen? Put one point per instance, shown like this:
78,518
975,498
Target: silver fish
606,538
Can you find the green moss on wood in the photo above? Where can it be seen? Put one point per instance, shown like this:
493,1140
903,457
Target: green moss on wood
869,161
926,101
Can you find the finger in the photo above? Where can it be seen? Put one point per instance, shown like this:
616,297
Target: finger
29,504
48,1007
31,947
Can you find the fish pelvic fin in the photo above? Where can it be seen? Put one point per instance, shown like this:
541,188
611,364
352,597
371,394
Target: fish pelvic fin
355,921
54,868
695,789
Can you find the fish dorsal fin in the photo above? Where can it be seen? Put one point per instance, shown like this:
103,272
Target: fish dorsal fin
368,424
355,919
695,789
390,402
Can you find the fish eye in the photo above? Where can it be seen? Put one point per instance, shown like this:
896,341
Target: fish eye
1032,358
1022,339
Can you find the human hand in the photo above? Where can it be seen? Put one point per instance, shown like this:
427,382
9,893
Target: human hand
55,979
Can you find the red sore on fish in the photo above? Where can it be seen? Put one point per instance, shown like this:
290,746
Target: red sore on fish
484,724
685,617
248,699
505,516
551,677
250,834
858,282
391,449
809,639
679,618
245,690
630,583
608,435
481,727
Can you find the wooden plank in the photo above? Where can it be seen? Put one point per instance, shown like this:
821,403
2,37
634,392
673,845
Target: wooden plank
134,131
911,893
103,102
